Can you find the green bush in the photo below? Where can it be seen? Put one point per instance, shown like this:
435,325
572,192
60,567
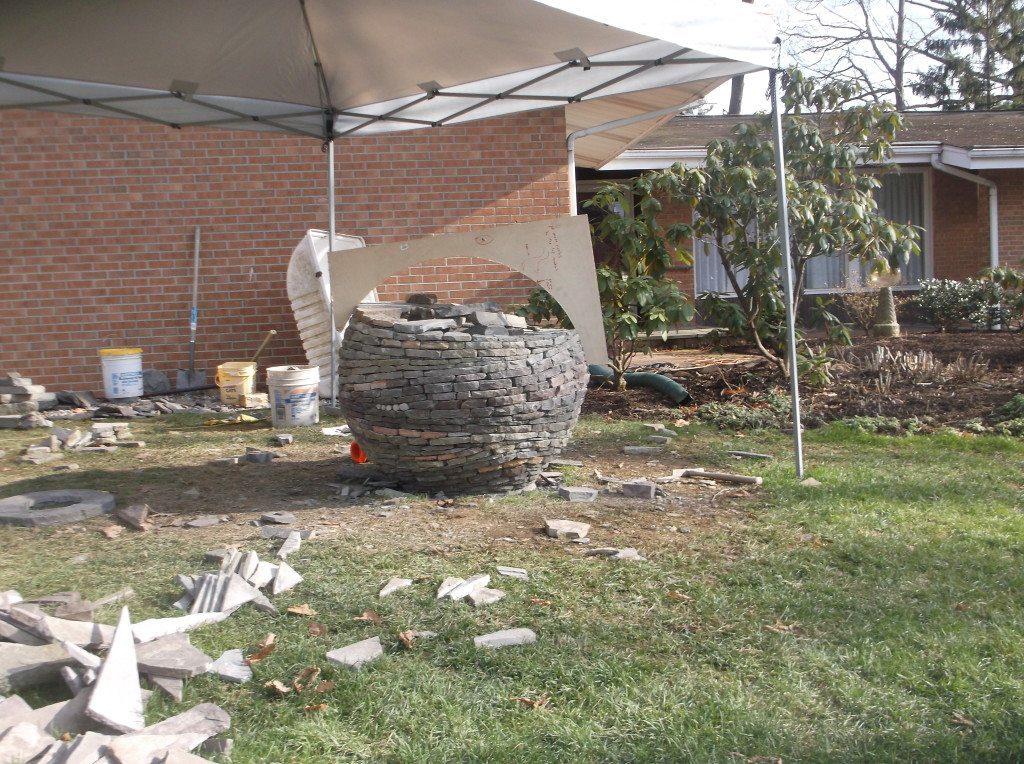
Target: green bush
1012,409
948,303
765,412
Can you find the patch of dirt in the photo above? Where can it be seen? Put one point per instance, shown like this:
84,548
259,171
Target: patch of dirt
854,392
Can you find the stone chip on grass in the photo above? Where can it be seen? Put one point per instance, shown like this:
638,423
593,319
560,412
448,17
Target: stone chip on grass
394,585
506,638
358,654
567,529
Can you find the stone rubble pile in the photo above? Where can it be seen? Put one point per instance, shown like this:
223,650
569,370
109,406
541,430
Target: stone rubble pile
20,399
101,437
459,398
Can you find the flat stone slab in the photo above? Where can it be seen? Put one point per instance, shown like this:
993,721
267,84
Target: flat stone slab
23,742
447,585
135,516
203,521
172,656
173,688
54,507
506,638
282,532
154,628
394,585
356,655
567,529
521,573
29,665
291,544
231,667
641,450
639,489
484,596
281,518
468,586
577,493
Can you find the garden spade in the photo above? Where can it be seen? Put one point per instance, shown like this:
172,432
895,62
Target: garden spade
189,377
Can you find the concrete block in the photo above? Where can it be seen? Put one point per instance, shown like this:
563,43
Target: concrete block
639,489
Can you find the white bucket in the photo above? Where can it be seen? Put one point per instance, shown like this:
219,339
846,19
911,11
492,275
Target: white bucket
122,372
294,393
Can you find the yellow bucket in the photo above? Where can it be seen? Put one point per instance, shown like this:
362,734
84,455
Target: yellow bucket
235,379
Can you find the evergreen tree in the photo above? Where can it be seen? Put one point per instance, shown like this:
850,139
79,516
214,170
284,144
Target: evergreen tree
979,50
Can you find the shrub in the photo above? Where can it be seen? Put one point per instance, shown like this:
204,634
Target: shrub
1012,409
948,304
860,307
768,411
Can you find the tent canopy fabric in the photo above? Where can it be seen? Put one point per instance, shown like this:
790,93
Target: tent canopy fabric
332,68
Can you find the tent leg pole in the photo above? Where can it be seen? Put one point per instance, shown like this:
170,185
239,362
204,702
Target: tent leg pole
331,232
787,272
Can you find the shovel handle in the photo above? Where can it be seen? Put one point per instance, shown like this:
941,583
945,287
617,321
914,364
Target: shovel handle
263,344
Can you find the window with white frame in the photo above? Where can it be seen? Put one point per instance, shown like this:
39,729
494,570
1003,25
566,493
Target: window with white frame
902,198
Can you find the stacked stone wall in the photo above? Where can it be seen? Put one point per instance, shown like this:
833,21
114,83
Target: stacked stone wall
448,410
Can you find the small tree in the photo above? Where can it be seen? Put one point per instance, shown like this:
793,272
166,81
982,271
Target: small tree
637,300
832,210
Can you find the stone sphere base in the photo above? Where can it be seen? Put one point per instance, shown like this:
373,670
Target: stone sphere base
438,408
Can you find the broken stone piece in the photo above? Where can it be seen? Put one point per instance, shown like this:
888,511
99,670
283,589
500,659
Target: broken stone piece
263,574
116,698
519,573
284,439
639,489
811,482
279,517
231,667
154,628
506,638
172,656
485,596
279,532
172,687
8,598
203,521
13,706
629,553
285,579
134,516
291,544
23,742
254,456
567,529
394,585
577,493
29,665
468,586
447,585
354,656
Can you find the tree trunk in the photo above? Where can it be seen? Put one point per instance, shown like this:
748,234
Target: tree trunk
736,96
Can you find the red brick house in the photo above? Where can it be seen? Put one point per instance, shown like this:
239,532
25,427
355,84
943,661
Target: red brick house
97,219
949,166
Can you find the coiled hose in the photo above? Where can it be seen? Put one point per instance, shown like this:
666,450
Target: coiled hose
659,382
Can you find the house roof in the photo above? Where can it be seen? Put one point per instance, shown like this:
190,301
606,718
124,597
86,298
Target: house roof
971,140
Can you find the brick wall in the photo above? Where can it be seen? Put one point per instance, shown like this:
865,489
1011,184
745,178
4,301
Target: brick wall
97,218
1011,215
959,227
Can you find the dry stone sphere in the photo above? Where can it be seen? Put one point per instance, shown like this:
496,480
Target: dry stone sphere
461,404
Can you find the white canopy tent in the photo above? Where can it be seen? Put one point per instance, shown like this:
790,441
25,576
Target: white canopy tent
329,69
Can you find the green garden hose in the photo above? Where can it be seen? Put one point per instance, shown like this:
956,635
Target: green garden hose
667,387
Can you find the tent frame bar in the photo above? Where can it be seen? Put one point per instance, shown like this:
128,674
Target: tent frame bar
786,271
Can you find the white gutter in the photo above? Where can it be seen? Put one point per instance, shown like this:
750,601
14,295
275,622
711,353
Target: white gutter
570,141
993,205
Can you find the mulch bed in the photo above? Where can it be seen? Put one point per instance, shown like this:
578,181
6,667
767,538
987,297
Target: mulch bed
853,392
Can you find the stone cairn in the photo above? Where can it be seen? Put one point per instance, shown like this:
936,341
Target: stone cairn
458,398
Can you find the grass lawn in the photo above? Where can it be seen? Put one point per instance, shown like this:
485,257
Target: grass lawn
879,617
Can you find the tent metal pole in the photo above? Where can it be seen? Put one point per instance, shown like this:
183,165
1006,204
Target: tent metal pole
331,232
787,271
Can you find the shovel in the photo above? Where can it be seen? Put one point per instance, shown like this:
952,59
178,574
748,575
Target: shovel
189,377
